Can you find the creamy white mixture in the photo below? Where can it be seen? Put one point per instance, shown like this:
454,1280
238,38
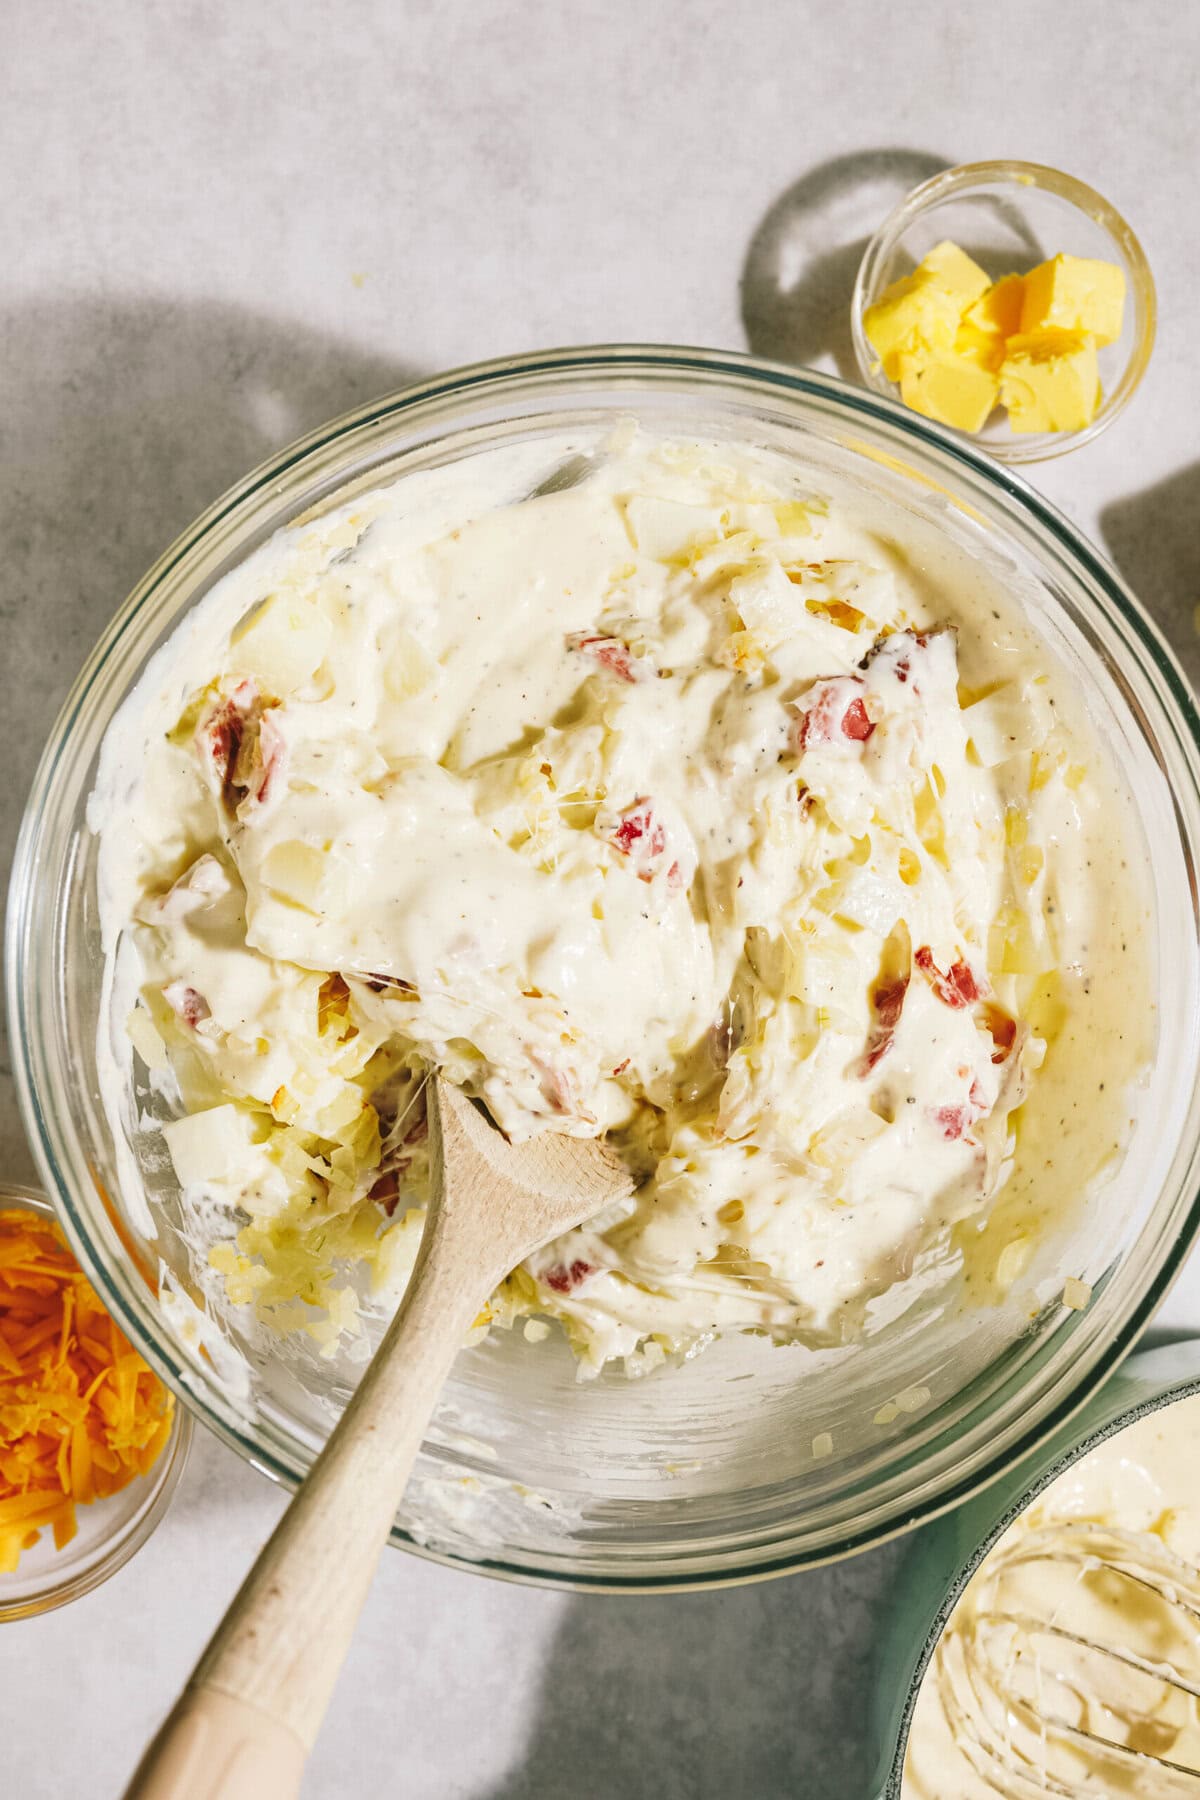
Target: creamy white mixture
678,805
1100,1573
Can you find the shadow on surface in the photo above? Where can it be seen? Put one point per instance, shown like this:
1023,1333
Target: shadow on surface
121,421
754,1693
799,272
1153,538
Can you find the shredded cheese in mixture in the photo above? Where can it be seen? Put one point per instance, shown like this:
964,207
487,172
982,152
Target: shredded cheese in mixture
657,807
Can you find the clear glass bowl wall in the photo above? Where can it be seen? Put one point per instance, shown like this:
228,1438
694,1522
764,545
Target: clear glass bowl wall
705,1472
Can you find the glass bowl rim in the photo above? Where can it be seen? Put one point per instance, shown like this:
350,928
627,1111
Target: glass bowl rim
739,372
1044,446
163,1478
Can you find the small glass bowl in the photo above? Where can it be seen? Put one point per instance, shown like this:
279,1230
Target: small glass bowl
1010,216
109,1531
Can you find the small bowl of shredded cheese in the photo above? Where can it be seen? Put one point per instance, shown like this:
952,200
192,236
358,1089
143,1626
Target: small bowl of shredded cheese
1008,301
92,1444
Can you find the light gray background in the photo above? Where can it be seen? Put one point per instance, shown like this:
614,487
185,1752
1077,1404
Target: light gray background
224,223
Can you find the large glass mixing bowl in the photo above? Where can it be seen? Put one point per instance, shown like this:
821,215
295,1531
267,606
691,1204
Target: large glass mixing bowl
751,1458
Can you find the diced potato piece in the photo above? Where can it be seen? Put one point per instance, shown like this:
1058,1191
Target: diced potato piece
306,876
1010,722
1012,1262
341,1111
408,667
793,518
765,601
1075,293
281,643
1049,381
668,529
872,901
210,1146
146,1039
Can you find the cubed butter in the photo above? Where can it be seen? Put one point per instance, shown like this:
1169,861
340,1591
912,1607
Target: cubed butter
988,321
912,316
1074,293
1049,381
922,311
981,349
952,268
958,345
997,311
944,385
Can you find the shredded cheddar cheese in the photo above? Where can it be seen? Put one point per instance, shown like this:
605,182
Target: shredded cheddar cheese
81,1413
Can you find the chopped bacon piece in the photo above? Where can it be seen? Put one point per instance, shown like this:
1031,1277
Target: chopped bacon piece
386,1191
959,987
612,654
887,1003
835,711
1003,1029
898,647
222,727
640,831
621,1067
187,1005
641,836
266,762
562,1279
380,984
557,1088
241,739
955,1121
855,723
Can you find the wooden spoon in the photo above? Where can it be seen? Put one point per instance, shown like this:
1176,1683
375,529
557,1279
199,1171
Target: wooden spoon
250,1713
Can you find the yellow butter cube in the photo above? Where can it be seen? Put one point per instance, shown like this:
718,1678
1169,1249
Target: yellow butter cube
1075,293
921,311
946,386
911,316
997,311
954,270
1049,381
982,349
988,321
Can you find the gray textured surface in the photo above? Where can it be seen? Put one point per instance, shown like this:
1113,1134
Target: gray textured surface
223,223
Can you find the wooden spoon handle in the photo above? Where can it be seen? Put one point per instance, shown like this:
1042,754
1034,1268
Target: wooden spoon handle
213,1747
252,1708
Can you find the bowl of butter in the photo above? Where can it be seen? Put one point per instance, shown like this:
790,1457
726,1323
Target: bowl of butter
1010,302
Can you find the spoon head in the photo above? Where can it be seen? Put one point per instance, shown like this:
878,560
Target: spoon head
538,1189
